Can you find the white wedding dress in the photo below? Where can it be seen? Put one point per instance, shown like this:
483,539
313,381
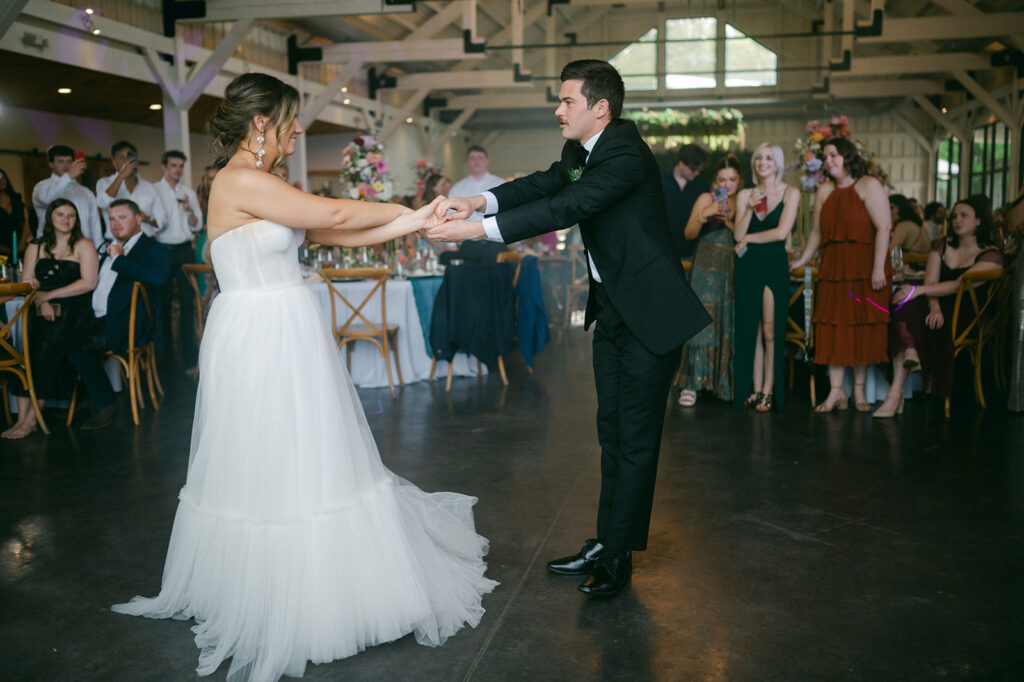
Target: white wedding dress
292,541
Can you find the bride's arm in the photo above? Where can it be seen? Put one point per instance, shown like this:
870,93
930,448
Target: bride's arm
408,222
266,196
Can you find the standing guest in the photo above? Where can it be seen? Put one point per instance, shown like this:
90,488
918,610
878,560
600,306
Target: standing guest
681,187
767,213
63,183
706,362
13,218
184,220
920,335
132,257
62,265
607,181
935,215
125,183
908,231
478,180
852,224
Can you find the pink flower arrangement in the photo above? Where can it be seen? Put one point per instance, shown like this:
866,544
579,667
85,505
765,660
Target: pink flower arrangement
809,151
364,170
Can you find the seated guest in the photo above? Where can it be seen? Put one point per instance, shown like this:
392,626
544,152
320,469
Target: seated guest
919,335
935,215
62,265
133,257
63,183
908,233
125,183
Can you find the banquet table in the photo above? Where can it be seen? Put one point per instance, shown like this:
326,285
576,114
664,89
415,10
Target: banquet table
368,368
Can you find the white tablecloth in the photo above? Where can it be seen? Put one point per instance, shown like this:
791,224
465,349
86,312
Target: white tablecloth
368,369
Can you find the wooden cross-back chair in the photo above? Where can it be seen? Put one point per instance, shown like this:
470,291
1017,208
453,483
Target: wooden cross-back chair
796,333
13,361
579,279
138,360
203,295
977,319
350,322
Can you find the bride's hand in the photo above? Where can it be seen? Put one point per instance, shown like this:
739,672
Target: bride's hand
424,217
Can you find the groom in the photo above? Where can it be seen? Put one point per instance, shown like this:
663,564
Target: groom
608,182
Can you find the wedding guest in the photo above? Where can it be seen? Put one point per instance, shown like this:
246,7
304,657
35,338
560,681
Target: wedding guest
935,215
908,231
851,223
766,216
436,185
62,265
1015,221
479,179
681,186
202,252
63,183
13,219
920,335
125,183
706,362
184,220
133,257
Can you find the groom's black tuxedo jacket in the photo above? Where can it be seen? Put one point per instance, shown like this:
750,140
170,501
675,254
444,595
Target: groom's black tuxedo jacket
148,262
619,205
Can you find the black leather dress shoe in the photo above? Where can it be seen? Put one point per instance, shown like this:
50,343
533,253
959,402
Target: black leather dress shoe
609,575
578,564
102,418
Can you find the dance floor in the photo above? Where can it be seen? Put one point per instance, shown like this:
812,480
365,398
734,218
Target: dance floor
787,546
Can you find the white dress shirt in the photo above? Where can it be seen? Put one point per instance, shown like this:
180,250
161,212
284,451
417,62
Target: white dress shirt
65,187
144,195
470,187
107,277
490,224
177,229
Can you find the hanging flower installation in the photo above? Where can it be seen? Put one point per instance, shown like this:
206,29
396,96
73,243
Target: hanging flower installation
669,128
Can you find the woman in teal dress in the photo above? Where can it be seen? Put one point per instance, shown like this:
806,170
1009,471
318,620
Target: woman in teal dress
765,218
707,358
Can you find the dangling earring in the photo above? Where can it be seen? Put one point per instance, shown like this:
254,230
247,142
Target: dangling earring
260,152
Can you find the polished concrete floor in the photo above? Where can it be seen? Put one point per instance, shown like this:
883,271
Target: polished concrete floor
786,546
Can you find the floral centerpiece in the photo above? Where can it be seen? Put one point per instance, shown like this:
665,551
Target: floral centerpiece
423,171
809,151
364,170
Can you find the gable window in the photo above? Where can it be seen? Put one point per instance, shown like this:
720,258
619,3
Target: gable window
637,63
747,62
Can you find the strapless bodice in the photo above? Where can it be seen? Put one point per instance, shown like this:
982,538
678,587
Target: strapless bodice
258,256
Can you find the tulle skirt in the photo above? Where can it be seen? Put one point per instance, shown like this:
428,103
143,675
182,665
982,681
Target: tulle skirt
292,541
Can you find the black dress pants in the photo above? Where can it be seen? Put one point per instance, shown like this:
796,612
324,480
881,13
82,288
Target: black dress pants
181,254
632,389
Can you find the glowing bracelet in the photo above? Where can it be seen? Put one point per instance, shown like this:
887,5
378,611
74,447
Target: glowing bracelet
909,296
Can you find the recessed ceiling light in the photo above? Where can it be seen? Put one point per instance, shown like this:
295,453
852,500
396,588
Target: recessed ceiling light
88,10
346,101
409,120
944,109
95,31
64,91
344,88
156,107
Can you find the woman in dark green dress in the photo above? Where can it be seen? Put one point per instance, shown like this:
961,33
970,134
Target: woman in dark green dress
765,218
706,362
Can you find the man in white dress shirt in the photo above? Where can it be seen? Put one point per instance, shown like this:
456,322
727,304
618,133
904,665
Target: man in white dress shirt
63,184
184,220
125,183
478,181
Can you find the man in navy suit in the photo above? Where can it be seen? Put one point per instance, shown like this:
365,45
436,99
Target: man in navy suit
132,257
608,181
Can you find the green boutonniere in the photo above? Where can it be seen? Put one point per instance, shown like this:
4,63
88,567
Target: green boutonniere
575,173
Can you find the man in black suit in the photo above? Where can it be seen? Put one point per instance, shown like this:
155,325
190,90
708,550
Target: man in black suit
132,257
608,181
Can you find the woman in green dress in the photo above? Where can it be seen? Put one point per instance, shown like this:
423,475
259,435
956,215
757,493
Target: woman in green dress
765,218
707,358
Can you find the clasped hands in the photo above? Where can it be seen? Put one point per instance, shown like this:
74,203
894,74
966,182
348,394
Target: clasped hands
448,223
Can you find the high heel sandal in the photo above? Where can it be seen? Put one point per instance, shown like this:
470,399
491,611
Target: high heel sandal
857,405
765,403
882,413
912,364
753,399
841,404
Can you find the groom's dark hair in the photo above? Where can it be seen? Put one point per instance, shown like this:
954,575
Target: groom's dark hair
600,82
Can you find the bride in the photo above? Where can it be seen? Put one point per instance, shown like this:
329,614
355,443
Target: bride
292,541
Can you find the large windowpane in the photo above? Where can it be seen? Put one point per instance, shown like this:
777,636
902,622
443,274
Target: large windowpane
990,162
747,62
691,63
947,172
637,63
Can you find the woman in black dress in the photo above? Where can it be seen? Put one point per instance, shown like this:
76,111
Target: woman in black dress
63,266
12,217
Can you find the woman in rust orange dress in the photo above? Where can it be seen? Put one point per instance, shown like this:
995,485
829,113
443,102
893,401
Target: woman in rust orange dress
851,319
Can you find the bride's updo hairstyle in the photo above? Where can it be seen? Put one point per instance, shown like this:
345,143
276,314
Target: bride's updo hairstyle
247,96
